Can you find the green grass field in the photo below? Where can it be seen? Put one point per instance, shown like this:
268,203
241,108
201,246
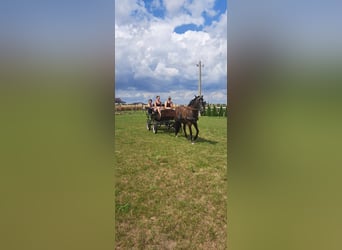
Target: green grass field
169,193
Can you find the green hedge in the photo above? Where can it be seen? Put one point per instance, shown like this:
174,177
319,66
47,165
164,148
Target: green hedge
215,110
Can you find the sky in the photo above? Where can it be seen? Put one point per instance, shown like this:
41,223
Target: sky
159,43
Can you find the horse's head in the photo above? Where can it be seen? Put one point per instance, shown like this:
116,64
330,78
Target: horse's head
202,103
198,103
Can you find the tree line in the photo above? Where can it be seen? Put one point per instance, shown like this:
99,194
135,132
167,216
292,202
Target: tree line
215,110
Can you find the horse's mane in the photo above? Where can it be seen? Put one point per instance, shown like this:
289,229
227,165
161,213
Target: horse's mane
191,103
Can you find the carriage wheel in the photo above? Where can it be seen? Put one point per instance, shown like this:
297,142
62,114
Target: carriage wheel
172,125
154,128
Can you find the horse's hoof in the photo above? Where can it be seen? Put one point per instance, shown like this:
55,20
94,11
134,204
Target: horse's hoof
193,142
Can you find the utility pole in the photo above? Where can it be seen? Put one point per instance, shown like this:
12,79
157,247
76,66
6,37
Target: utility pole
200,78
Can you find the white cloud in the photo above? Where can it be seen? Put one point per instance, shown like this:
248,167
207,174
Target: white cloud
197,7
147,48
167,72
220,97
174,6
180,98
156,4
218,28
124,9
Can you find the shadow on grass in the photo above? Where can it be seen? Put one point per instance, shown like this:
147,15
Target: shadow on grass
203,140
199,139
171,133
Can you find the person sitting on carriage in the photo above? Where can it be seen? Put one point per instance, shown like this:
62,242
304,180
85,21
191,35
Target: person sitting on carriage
150,106
158,104
168,103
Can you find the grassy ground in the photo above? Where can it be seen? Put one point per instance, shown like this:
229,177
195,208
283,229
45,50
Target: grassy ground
170,194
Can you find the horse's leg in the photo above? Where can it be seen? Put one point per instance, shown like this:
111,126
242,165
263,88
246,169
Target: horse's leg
189,125
184,129
177,126
197,130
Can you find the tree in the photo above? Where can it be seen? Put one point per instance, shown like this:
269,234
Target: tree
208,110
118,100
221,111
214,111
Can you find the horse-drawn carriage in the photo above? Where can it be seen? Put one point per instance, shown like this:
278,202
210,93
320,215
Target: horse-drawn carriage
175,118
156,120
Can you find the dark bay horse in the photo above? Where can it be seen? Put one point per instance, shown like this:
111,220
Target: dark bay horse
188,115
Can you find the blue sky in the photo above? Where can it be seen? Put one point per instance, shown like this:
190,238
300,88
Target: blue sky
158,44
